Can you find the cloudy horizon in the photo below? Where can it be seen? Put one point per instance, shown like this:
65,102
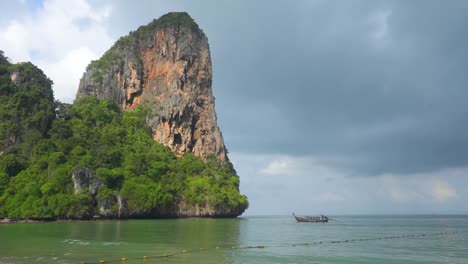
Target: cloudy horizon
325,106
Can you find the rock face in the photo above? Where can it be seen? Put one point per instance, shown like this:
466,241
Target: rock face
109,206
165,67
84,180
206,210
113,206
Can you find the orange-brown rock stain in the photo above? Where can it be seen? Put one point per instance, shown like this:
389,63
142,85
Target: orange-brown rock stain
175,76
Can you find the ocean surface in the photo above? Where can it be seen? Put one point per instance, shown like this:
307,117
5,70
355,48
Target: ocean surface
350,239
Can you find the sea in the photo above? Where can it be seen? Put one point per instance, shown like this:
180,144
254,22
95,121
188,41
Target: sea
266,239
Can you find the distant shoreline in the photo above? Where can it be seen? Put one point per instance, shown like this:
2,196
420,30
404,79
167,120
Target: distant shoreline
29,221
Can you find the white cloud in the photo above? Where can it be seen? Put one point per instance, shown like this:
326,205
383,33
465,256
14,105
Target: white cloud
295,166
421,187
379,23
15,40
401,189
442,191
282,184
279,184
60,37
277,167
70,67
329,197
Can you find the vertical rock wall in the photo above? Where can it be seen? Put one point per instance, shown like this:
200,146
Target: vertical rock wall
166,67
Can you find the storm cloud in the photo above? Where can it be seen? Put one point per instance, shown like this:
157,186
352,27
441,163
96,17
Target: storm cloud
380,82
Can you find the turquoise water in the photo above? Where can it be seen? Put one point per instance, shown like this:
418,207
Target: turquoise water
74,242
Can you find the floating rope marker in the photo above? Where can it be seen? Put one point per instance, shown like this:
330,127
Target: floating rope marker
219,247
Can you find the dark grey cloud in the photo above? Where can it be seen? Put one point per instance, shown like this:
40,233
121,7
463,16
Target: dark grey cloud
380,82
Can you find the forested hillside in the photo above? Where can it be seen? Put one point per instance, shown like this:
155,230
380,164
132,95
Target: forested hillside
61,161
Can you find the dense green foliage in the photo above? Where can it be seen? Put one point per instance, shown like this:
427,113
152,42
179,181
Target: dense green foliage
27,108
35,170
3,59
173,18
127,45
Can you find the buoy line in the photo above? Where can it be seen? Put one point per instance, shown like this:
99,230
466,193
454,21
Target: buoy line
125,259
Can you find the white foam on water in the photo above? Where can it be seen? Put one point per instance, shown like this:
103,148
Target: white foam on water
114,243
76,242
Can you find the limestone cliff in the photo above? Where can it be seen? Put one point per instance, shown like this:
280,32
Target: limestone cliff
166,67
91,160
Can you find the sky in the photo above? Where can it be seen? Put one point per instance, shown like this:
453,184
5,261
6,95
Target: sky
335,107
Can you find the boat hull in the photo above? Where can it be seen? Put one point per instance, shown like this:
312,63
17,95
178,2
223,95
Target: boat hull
311,219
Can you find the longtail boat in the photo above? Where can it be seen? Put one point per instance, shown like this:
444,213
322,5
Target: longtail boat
312,219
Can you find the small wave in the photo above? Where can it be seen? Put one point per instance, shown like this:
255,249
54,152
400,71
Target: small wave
75,242
7,260
114,243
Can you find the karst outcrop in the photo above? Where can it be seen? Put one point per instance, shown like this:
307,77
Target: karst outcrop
164,66
141,139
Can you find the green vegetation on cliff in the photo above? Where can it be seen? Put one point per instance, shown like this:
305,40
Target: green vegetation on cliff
169,19
125,45
116,147
27,106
